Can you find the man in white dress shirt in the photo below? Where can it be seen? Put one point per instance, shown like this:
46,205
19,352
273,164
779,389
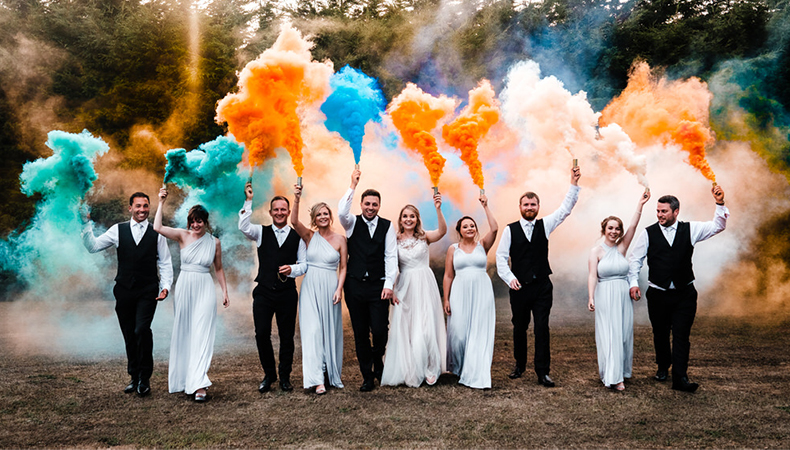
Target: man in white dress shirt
526,244
372,268
668,246
140,250
281,258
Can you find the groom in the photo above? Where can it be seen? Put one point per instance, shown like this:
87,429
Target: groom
140,251
281,258
372,267
668,246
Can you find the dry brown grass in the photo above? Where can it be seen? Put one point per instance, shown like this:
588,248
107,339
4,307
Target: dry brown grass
744,401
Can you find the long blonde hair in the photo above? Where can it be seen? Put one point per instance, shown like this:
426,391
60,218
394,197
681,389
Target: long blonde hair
419,233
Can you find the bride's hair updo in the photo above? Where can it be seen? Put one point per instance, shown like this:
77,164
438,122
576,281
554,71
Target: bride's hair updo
619,226
198,212
419,233
314,212
458,226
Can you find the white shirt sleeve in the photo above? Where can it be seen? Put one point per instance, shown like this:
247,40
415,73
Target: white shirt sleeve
344,213
502,256
637,258
96,244
253,232
165,263
300,268
390,257
553,220
701,231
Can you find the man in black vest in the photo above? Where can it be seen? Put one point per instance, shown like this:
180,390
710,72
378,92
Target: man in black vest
671,296
281,258
526,244
372,267
138,287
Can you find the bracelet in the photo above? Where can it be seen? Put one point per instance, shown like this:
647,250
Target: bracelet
720,204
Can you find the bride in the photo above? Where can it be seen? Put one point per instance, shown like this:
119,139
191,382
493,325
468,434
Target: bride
416,349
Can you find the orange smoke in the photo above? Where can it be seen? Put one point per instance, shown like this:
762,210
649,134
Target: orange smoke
465,132
263,114
415,113
652,108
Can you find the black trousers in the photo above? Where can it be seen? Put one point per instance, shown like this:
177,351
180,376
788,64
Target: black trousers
135,310
369,317
281,305
672,311
533,298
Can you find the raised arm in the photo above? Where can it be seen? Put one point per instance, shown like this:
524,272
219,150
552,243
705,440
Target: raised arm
622,247
701,231
221,273
341,271
347,219
553,220
490,237
174,234
305,233
449,275
435,235
253,232
592,276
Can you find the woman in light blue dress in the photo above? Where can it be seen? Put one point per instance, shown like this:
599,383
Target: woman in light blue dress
469,303
194,302
320,311
607,287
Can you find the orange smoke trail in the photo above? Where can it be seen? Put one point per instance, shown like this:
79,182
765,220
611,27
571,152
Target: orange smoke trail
264,113
466,131
651,109
415,113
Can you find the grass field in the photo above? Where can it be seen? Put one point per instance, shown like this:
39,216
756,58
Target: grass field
742,366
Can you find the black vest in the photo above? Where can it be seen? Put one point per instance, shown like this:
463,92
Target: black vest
529,259
271,256
366,254
670,264
137,263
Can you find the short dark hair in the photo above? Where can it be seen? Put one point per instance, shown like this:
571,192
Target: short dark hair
371,192
279,197
529,195
198,212
674,203
138,195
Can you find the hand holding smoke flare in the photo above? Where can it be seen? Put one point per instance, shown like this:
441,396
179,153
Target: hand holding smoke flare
466,131
415,113
355,100
264,113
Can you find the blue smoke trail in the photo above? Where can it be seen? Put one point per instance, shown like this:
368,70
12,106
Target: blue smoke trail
356,99
50,249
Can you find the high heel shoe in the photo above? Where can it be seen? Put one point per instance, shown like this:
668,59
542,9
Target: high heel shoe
320,389
201,396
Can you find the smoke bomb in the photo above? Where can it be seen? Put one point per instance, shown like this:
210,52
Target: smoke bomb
435,190
299,181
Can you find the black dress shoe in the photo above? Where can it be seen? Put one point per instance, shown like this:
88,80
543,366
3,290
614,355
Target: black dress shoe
367,385
286,385
545,381
684,385
661,375
265,386
516,373
143,388
131,387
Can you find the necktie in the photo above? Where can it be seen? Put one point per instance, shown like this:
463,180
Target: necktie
669,232
280,236
138,232
528,230
371,228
